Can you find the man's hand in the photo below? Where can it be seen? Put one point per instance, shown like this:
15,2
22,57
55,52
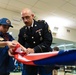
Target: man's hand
22,48
29,50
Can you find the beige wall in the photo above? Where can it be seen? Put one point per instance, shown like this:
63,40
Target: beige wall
15,17
62,33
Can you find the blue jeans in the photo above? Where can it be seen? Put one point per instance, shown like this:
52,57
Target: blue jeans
34,70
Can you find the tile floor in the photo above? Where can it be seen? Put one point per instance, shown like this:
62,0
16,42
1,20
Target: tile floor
59,73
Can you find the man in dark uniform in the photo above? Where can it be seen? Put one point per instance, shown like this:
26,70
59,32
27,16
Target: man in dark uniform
37,38
6,62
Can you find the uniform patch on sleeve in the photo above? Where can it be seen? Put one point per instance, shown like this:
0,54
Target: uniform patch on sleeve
49,29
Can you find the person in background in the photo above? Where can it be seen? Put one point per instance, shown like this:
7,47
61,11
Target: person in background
36,37
6,62
56,67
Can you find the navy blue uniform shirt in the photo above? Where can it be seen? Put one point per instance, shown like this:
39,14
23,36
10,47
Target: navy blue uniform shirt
6,62
39,38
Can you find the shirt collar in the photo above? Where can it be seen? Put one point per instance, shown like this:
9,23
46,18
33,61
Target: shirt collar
31,24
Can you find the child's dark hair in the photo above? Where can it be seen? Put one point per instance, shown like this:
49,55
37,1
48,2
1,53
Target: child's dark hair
56,48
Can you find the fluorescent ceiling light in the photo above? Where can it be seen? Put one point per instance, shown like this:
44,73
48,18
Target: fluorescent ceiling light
57,21
64,45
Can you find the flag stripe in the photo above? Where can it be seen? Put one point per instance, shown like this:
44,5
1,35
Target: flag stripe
49,58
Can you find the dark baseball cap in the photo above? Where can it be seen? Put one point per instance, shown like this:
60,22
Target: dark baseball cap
5,21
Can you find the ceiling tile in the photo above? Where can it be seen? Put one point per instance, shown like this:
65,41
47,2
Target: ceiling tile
38,11
41,13
49,5
73,17
13,8
2,5
16,9
29,2
72,2
16,3
4,1
62,13
55,3
67,0
69,8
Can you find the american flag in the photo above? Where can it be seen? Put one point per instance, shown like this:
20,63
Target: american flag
67,57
